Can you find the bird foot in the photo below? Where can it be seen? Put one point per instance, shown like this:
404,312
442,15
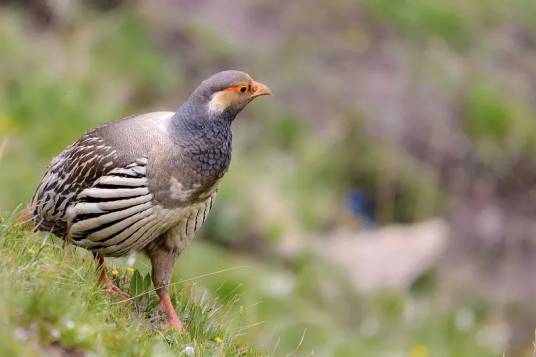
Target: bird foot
103,278
174,322
114,290
25,220
175,326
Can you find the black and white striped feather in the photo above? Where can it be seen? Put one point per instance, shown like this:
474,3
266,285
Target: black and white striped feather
75,169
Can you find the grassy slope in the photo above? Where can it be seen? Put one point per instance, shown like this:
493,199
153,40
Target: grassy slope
52,301
49,300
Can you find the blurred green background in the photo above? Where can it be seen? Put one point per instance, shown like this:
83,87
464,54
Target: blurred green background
381,203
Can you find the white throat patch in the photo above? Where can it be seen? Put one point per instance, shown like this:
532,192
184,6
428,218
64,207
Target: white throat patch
221,101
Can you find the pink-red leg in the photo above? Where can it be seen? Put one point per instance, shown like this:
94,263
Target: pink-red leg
163,259
173,319
103,278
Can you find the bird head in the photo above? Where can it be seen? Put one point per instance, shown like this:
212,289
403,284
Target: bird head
226,93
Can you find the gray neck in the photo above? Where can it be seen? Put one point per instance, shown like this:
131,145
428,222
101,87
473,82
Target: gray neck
193,129
205,141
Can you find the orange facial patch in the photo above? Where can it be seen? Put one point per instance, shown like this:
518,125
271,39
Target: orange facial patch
239,89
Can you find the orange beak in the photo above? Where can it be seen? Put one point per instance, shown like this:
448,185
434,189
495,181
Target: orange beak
259,89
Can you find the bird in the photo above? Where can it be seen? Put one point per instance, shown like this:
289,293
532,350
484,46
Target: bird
145,183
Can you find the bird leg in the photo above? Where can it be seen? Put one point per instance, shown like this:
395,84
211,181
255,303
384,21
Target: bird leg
162,261
103,278
173,319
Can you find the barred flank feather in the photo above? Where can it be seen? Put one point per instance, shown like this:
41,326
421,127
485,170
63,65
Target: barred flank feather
76,168
117,212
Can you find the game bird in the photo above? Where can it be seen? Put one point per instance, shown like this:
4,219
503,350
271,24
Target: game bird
147,182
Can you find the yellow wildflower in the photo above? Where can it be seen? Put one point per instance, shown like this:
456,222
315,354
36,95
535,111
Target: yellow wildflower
115,273
419,351
218,339
130,270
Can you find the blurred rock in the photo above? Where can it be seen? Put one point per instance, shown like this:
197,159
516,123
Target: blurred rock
390,257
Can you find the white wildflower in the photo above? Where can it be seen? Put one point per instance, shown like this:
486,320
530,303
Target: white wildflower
188,351
55,333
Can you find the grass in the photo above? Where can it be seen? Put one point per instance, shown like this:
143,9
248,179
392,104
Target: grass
52,302
233,305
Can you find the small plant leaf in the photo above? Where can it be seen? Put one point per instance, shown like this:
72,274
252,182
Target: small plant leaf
147,282
136,284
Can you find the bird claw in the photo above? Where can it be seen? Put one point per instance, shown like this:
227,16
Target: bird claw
174,322
175,326
114,290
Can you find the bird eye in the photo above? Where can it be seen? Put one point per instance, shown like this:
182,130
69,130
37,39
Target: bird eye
243,89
